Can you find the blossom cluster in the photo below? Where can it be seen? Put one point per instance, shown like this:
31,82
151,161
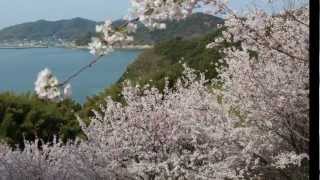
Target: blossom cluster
153,13
269,75
47,87
289,158
109,37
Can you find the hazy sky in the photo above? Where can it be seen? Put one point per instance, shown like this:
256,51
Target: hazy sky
18,11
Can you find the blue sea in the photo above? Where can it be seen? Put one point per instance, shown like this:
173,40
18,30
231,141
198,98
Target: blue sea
19,69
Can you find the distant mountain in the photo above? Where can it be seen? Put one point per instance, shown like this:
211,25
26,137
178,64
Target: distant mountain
43,30
81,30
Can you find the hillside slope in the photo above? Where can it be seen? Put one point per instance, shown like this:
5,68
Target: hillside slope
193,26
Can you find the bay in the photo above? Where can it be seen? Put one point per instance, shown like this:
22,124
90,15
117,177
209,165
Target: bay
19,69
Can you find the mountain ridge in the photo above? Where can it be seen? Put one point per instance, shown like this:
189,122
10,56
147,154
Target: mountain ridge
80,30
68,29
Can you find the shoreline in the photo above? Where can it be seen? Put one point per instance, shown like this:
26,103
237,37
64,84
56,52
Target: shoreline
27,47
129,47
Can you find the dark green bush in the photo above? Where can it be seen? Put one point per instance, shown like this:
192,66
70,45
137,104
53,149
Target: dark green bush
24,116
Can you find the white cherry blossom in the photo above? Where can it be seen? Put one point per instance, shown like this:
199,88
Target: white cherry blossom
110,37
98,48
46,86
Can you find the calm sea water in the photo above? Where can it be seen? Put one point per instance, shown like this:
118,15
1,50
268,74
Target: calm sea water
19,69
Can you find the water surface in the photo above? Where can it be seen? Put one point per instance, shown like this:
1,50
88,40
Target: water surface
19,68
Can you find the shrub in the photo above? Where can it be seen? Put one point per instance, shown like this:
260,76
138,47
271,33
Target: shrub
26,117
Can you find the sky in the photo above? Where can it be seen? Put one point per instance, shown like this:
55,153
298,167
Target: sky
19,11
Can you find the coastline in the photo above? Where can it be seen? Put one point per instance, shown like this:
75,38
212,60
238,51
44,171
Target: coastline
134,47
128,47
22,47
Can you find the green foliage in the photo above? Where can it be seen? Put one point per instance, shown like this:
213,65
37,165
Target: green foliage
85,39
193,26
26,116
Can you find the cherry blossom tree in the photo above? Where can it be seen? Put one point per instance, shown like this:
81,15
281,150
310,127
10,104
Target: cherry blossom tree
254,123
184,133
